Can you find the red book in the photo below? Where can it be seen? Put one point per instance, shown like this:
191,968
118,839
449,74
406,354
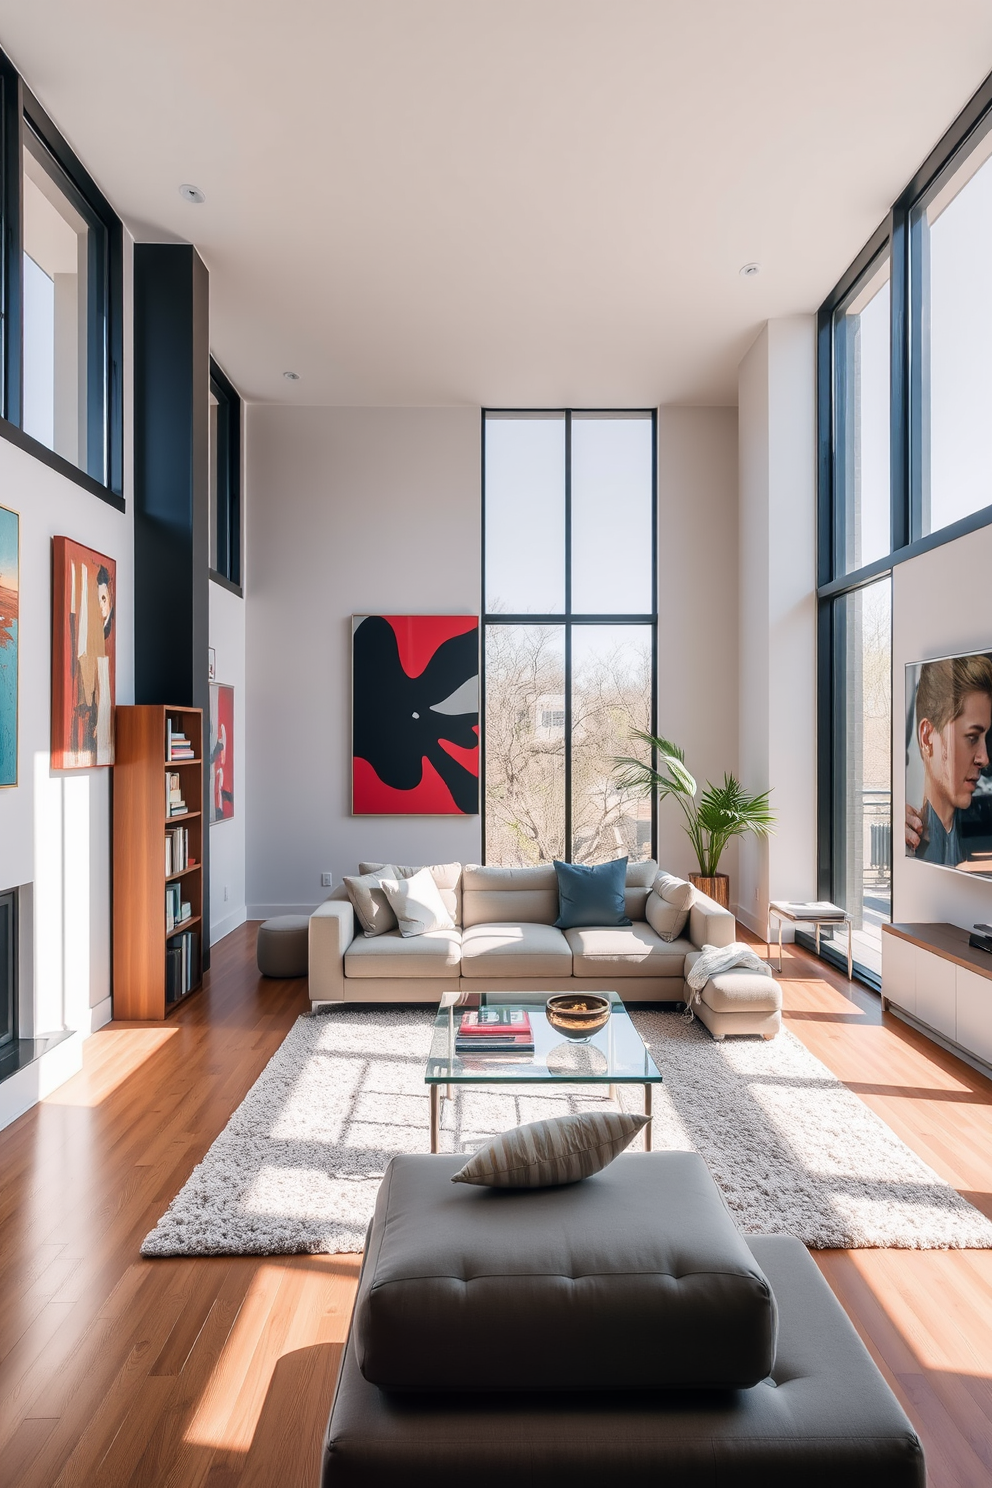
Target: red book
502,1023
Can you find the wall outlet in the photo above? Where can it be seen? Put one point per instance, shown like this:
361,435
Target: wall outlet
325,880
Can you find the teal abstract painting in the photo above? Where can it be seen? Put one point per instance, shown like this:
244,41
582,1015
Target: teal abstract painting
9,590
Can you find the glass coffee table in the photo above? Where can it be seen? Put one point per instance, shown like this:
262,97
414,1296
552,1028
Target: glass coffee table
614,1055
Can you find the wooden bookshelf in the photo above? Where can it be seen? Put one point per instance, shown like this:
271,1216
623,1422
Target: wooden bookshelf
141,823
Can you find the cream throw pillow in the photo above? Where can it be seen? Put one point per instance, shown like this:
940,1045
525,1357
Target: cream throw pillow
416,903
668,906
545,1154
369,901
447,876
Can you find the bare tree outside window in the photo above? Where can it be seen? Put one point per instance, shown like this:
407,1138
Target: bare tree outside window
525,753
611,697
569,525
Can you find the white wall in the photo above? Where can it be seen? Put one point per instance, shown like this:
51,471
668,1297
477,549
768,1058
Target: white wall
350,510
55,826
777,635
697,606
228,904
940,606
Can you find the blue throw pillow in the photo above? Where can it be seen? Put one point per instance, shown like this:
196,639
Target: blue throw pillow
591,894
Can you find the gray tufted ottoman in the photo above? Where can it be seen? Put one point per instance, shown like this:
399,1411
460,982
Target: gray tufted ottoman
281,949
551,1324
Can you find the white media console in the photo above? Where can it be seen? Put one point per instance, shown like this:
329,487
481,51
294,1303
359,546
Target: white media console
934,975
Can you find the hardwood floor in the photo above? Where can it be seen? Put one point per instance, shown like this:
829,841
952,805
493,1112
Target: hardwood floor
116,1371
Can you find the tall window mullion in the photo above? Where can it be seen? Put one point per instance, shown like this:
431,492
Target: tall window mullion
569,720
566,678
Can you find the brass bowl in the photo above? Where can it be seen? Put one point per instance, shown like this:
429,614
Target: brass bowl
578,1014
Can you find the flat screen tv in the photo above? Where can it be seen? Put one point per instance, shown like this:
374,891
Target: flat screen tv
948,769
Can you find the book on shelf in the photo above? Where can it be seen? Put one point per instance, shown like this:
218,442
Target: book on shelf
173,906
175,805
181,965
177,909
173,974
177,851
177,745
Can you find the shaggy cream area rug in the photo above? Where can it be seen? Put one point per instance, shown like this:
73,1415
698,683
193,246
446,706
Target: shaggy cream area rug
794,1151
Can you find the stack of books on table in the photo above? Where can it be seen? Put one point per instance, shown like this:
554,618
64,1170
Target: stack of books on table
174,803
177,746
494,1030
180,965
177,909
177,851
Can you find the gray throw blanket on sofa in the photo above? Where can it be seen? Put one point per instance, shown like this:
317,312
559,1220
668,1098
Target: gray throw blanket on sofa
714,959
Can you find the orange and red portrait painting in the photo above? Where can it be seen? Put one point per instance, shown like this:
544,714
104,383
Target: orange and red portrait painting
84,656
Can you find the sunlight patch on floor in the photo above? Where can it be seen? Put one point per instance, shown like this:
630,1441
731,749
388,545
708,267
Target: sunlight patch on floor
119,1054
232,1401
924,1292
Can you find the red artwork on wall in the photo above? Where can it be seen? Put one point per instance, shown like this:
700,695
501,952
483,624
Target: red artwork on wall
415,720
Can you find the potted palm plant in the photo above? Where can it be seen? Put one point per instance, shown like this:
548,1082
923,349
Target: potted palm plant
722,811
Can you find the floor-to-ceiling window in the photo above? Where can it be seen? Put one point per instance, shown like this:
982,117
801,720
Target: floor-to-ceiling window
905,463
856,818
569,579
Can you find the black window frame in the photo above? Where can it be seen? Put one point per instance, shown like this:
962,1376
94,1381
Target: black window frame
900,235
22,115
227,534
566,618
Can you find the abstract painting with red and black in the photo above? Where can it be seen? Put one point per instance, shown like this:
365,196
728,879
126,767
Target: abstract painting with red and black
415,718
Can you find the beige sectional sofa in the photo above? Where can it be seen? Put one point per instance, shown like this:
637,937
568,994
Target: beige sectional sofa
505,940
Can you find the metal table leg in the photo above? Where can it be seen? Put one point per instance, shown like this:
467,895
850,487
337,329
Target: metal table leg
850,950
435,1115
648,1097
780,947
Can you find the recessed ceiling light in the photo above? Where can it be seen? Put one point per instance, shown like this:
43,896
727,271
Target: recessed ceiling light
191,193
749,270
291,376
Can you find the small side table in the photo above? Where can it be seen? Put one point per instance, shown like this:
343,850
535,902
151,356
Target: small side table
815,913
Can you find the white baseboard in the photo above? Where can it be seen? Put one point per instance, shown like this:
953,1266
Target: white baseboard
759,926
230,922
749,919
268,911
32,1083
101,1014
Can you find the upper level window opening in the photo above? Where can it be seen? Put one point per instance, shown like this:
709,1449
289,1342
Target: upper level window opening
225,478
64,319
951,240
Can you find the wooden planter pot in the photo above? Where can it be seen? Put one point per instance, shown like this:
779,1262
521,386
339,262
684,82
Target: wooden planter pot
717,887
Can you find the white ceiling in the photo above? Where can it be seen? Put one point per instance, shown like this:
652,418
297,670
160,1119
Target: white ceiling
502,202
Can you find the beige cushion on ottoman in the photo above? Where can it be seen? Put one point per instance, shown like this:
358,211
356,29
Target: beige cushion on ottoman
281,948
738,1001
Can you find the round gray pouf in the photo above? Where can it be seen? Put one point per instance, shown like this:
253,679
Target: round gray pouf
281,949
